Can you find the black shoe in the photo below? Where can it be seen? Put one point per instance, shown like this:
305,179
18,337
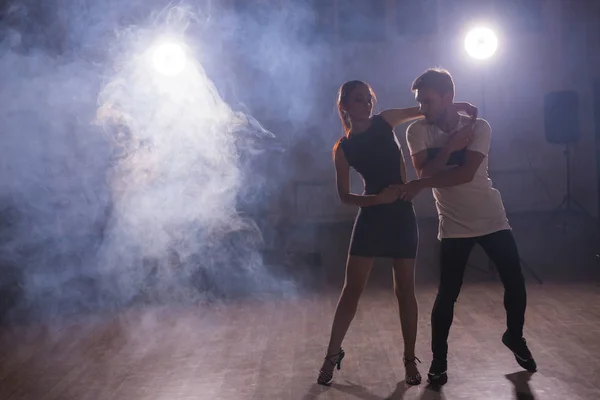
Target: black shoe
335,360
437,374
415,379
521,351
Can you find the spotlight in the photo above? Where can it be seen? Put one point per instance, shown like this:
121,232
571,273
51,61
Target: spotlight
481,43
169,59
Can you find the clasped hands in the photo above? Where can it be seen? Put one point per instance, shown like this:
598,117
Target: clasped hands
405,192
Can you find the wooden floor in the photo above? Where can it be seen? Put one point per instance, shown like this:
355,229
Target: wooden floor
272,350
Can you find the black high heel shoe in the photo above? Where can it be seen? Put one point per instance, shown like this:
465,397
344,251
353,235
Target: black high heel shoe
326,377
414,379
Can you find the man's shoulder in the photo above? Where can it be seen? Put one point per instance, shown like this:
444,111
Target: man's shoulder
417,127
482,124
419,124
464,119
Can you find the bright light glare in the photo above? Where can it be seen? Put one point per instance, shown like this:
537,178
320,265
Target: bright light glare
481,43
169,59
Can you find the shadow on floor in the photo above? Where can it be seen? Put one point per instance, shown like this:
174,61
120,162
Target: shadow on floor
360,392
520,381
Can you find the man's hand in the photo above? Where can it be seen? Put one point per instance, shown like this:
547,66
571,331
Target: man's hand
388,195
409,190
467,108
461,138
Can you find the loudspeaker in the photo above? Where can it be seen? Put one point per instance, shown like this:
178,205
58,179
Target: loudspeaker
561,117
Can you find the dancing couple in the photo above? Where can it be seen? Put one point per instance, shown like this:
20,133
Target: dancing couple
449,153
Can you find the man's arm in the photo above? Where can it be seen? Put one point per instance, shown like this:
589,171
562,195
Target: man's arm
450,177
418,148
427,168
458,141
476,152
456,175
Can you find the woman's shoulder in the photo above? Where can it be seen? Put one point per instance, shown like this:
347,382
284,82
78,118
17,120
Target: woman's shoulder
339,143
380,123
339,146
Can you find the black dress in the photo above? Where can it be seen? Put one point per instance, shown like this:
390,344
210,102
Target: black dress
385,230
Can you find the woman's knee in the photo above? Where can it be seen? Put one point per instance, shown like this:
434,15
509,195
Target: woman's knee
350,296
358,270
406,300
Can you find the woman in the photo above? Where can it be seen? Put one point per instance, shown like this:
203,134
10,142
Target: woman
385,225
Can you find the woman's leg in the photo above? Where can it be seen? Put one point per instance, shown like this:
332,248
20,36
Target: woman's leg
404,288
357,274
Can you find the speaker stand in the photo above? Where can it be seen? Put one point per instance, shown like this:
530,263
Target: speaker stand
568,206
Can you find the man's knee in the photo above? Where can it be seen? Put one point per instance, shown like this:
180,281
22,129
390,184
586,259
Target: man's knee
516,290
513,278
449,290
446,298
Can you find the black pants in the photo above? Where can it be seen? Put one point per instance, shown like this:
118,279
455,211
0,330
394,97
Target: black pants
501,248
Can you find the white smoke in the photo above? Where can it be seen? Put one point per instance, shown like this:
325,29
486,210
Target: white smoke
143,202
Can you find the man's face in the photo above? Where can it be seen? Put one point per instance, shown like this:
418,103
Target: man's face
432,104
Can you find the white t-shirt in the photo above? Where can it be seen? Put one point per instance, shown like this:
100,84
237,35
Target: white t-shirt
471,209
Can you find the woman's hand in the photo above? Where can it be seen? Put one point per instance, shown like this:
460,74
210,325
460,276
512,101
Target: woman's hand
461,138
467,108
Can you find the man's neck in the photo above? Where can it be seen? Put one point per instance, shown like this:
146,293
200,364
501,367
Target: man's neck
449,122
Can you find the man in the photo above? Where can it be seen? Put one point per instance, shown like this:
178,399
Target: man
449,153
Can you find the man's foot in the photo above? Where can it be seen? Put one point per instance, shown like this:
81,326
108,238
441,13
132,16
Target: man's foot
437,374
521,351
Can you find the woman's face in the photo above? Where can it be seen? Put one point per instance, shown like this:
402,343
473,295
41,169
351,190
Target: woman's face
360,103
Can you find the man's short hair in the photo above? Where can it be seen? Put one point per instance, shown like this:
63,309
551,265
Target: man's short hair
437,79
